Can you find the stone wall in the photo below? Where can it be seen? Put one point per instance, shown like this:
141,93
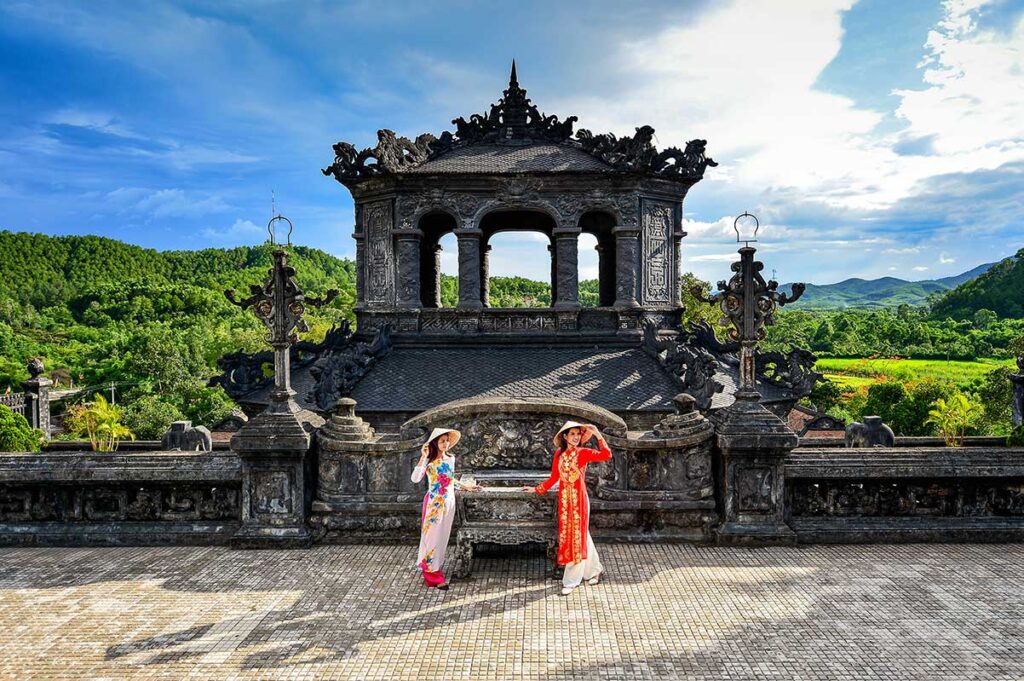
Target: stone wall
138,498
905,494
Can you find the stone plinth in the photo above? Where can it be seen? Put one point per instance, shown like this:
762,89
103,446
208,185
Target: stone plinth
752,446
273,447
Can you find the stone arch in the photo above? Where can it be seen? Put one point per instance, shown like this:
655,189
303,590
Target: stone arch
509,433
434,223
504,218
601,223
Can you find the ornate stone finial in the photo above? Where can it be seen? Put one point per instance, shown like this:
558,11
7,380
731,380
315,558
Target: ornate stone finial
35,367
686,422
513,81
279,303
684,403
344,425
748,304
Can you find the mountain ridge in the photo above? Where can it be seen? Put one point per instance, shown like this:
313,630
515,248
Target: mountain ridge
857,292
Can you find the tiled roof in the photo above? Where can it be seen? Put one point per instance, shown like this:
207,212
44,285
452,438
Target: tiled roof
495,158
415,379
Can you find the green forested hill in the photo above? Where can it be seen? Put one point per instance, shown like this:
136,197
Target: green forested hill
1000,289
886,292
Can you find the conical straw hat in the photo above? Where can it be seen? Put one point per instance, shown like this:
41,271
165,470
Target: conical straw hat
588,430
453,436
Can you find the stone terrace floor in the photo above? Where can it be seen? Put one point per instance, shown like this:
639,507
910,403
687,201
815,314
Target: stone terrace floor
665,611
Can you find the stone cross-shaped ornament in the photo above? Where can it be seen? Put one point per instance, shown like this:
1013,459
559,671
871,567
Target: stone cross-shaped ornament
748,304
280,303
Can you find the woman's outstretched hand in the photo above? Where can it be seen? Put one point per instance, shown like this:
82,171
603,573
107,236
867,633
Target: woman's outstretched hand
529,489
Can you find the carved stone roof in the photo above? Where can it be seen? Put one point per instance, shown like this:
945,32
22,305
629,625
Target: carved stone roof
497,158
516,123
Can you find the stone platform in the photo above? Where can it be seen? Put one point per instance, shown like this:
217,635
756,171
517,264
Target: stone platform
941,611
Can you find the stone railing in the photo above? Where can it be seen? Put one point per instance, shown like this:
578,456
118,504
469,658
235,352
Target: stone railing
905,494
14,401
137,498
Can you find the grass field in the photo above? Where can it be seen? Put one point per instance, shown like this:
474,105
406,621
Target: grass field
855,373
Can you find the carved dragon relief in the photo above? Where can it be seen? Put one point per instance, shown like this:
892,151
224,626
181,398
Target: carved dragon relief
338,363
696,355
515,120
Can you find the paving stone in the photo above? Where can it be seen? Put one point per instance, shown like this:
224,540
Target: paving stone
663,611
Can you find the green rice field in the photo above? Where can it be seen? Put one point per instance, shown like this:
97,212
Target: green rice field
855,373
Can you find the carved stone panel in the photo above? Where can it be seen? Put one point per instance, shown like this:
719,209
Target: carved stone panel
379,278
273,492
754,488
656,252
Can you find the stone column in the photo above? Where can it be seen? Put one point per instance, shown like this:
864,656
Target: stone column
677,239
554,277
360,238
437,275
627,265
1017,403
37,398
485,276
752,444
469,268
567,272
409,268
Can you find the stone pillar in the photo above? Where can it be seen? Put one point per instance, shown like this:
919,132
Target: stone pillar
752,444
37,397
272,447
469,268
627,265
567,272
409,241
437,275
360,266
1017,403
677,239
485,276
554,277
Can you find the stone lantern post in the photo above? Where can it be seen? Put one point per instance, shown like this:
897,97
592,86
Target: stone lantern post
752,441
274,444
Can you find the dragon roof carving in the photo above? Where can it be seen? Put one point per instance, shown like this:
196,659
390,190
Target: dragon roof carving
515,121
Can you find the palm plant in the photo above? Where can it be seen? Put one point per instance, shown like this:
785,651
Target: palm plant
100,421
954,417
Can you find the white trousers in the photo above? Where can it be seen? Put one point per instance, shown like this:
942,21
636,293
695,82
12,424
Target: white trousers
585,569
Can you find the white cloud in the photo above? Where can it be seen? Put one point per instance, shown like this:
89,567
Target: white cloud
920,268
946,259
744,75
240,230
165,203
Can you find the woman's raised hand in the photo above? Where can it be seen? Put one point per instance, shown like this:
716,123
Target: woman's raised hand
424,451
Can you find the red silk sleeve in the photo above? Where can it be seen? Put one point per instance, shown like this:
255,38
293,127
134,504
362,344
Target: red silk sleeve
588,455
543,487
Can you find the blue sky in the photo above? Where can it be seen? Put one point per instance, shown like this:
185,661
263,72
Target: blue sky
871,138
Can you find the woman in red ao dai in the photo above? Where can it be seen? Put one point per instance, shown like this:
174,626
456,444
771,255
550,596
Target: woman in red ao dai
576,550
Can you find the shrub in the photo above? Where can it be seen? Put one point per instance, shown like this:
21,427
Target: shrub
954,417
100,422
1016,437
15,433
149,417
